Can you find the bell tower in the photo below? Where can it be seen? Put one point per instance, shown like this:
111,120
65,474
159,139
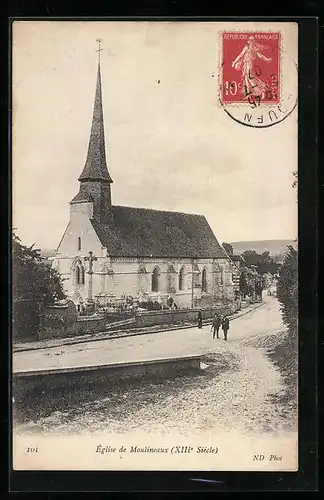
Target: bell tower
95,180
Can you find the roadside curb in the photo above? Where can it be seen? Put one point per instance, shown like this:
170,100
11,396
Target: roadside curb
243,313
106,336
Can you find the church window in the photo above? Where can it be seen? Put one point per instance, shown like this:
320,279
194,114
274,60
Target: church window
79,274
195,276
182,279
222,280
204,281
142,269
79,243
142,278
171,279
82,276
156,279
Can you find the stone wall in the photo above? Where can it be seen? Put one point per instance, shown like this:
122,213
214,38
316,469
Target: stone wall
175,316
81,379
61,321
90,324
58,321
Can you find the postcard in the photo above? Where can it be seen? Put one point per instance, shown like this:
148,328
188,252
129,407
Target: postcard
154,245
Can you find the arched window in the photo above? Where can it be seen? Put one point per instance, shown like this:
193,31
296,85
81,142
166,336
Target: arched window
79,274
82,276
141,269
182,279
156,279
204,281
171,279
143,281
195,276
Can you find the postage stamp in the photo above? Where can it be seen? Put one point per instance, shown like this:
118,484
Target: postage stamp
258,77
251,68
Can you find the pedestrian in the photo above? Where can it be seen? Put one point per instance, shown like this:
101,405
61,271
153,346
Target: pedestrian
225,327
216,325
199,319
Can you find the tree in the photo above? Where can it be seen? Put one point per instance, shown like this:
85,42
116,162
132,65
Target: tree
33,277
263,262
287,289
228,248
251,257
243,285
287,285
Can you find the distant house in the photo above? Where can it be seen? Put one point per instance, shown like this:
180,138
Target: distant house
240,264
238,261
145,253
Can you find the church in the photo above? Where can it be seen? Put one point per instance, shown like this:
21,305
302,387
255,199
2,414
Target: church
109,252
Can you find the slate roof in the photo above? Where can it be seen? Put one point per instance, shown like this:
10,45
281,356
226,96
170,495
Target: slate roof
96,166
82,196
141,232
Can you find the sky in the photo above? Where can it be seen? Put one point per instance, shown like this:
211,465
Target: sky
169,145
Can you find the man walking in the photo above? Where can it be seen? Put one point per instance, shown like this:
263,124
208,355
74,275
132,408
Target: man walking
225,327
216,325
199,318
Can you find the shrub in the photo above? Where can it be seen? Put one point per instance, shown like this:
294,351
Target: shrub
287,289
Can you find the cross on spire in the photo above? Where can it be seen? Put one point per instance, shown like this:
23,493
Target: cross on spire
99,49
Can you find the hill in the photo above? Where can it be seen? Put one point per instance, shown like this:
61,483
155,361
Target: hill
275,247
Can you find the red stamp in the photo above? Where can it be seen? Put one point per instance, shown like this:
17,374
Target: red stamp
250,68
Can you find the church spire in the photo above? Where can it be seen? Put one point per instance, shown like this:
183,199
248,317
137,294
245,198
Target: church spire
95,180
95,168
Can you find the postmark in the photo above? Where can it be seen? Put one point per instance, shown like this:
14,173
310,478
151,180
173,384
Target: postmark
258,79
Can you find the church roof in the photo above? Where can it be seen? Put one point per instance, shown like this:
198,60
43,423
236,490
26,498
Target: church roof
95,167
141,232
82,196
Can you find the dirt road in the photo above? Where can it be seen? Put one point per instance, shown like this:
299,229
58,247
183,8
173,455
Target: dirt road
237,390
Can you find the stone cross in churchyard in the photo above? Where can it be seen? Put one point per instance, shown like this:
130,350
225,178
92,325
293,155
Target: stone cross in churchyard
91,259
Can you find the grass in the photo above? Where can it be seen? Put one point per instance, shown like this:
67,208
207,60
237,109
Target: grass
285,357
